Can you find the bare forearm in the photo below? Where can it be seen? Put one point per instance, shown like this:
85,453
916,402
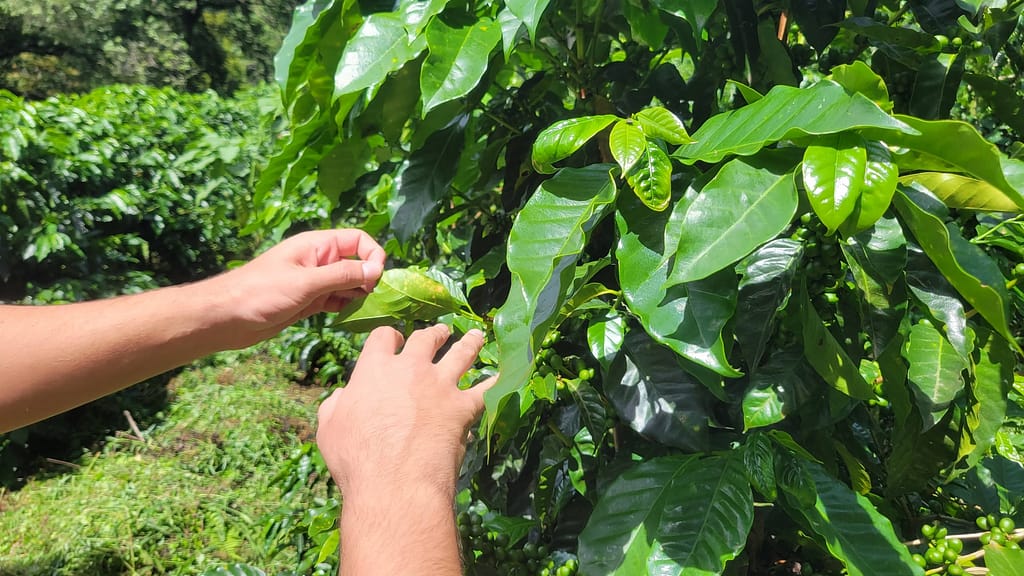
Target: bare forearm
58,357
401,531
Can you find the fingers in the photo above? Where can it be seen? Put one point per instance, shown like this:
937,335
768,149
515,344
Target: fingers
426,342
476,395
344,275
462,354
383,341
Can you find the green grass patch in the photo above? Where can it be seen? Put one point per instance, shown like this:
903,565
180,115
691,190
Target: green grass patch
189,496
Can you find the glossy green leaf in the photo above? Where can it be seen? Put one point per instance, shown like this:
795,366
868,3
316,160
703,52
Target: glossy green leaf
651,178
562,139
759,464
935,372
605,335
657,122
655,397
675,515
627,144
833,172
319,27
794,479
854,531
765,285
418,14
511,26
972,272
545,242
401,295
424,180
828,358
529,11
302,18
778,388
932,289
457,60
881,175
742,207
877,258
787,112
859,77
993,379
972,155
1002,561
688,319
749,94
957,191
380,47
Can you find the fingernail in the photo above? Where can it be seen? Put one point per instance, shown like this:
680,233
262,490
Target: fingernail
371,270
476,332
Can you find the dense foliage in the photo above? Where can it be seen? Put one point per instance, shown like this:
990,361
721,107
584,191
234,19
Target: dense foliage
121,189
51,46
112,192
742,327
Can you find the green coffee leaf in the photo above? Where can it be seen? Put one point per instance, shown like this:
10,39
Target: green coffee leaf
401,295
742,207
380,47
859,77
651,178
935,371
657,122
689,319
787,112
669,515
529,11
546,240
833,170
456,61
880,179
957,191
827,357
655,397
969,269
929,150
627,144
852,528
562,139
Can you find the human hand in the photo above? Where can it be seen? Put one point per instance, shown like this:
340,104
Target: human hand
303,275
402,421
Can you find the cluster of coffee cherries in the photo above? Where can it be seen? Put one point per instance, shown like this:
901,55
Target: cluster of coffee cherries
945,553
549,361
489,551
942,550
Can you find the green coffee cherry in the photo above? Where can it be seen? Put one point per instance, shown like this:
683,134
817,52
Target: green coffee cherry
1007,524
981,522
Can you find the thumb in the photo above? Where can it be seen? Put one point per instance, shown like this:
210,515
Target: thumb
476,394
344,275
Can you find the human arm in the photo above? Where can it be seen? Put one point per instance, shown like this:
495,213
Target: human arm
54,358
394,439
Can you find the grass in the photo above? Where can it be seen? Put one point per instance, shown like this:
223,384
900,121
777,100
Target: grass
187,497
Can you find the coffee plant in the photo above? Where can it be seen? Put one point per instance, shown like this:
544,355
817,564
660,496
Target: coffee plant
751,277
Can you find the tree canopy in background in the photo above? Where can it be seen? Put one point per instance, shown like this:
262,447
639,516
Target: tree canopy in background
51,46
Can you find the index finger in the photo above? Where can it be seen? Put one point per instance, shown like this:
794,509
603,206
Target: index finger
348,242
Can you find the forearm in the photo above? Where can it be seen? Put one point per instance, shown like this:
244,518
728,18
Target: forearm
55,358
406,531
